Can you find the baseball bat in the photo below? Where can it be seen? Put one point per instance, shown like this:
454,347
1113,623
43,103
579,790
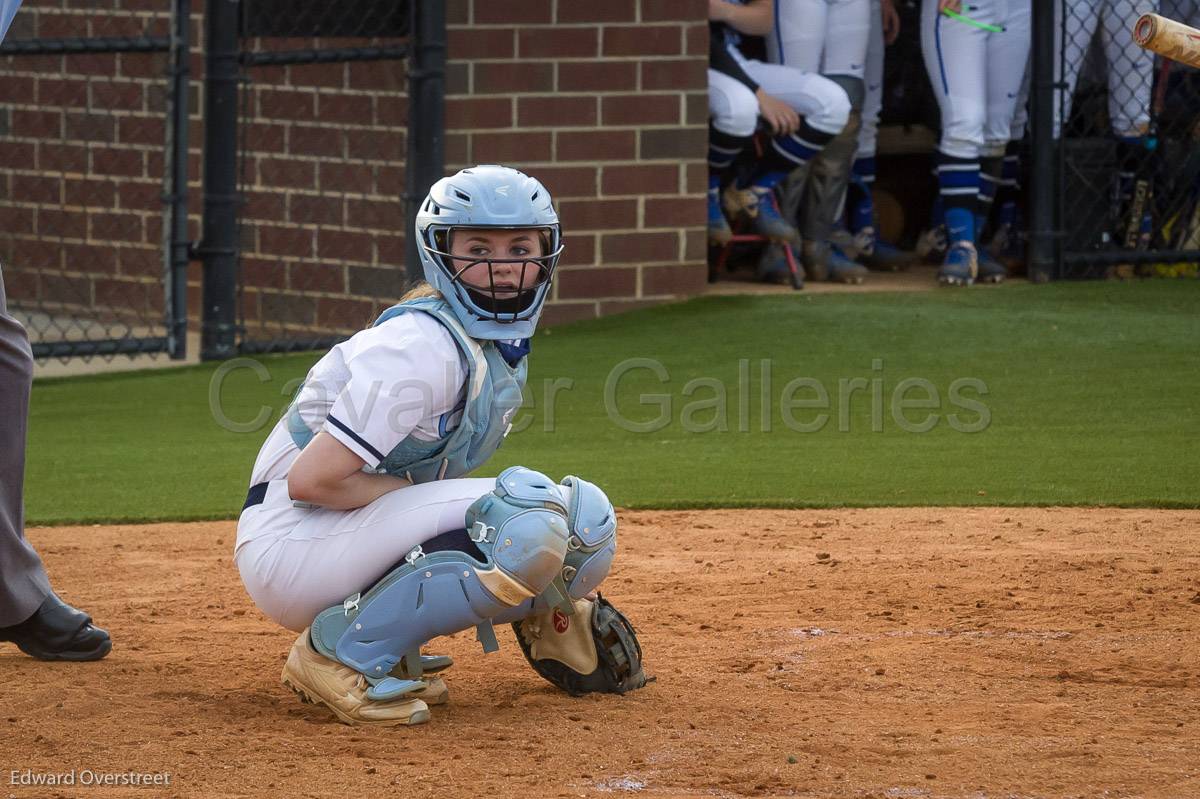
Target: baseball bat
1168,38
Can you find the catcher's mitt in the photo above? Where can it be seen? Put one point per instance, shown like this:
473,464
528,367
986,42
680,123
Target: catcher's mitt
595,650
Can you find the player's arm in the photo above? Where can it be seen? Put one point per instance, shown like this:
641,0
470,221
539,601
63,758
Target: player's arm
755,18
778,114
328,474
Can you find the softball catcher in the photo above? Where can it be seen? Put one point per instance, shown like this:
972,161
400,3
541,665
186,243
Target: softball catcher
360,530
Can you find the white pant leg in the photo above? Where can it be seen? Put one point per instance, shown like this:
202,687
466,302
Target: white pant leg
1007,60
868,134
847,33
798,39
1082,18
296,562
731,104
1130,68
823,104
956,59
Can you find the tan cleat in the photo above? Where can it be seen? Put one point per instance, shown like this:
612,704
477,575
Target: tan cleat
435,692
343,690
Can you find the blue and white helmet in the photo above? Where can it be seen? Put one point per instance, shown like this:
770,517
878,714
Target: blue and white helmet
489,196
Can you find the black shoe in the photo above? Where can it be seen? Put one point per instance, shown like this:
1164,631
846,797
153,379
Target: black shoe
57,631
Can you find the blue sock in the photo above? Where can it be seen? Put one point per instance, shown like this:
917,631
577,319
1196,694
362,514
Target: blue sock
960,225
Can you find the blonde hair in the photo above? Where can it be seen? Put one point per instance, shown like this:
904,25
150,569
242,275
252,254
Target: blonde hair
421,289
417,291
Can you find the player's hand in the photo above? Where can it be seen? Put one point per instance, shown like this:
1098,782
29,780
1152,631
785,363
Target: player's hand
891,21
780,116
950,5
718,10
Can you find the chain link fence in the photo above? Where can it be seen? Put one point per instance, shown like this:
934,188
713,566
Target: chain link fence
321,154
1129,127
89,156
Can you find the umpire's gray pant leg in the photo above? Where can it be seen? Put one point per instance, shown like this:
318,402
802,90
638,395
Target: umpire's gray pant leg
23,581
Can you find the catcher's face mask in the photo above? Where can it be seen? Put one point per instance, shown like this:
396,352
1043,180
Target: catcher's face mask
500,268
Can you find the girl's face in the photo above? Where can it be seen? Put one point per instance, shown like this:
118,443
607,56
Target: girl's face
472,247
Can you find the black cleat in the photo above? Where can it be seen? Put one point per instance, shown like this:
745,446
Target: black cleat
57,631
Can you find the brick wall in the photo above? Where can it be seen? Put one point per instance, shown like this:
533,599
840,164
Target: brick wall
322,176
605,102
608,107
81,165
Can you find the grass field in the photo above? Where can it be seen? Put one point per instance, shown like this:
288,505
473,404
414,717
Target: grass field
1092,392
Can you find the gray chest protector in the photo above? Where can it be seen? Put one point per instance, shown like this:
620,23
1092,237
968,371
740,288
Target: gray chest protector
493,397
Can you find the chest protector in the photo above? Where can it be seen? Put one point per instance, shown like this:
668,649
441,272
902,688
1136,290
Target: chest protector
493,397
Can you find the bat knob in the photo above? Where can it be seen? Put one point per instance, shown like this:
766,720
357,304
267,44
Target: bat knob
1143,29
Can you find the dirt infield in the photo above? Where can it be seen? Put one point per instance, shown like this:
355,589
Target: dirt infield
891,653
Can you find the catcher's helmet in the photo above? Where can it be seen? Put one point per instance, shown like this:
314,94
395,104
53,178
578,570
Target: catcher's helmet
496,197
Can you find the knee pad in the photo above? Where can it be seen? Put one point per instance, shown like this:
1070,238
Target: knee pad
855,89
592,544
520,537
591,547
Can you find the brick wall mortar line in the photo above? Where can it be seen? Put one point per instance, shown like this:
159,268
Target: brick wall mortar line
552,26
582,59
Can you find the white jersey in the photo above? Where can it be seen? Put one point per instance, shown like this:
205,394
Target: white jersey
406,376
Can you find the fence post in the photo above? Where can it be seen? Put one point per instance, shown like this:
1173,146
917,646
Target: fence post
1043,223
219,241
178,249
425,160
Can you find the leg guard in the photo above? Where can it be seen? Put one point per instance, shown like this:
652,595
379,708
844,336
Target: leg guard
791,192
828,179
520,532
